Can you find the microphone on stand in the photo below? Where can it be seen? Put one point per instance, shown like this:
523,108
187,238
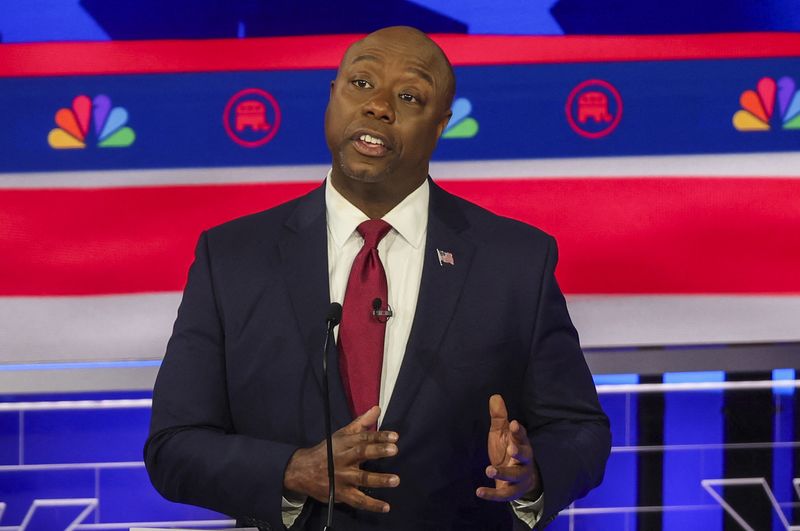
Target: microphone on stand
332,319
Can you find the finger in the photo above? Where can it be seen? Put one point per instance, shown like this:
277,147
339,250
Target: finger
364,422
361,451
512,474
520,447
357,499
518,454
367,437
363,478
498,412
518,433
503,493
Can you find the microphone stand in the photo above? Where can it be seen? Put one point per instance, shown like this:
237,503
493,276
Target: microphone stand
334,316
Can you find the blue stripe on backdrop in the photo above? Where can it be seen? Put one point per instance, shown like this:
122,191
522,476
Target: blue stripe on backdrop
84,395
694,377
98,20
79,365
668,107
616,379
784,374
692,418
598,17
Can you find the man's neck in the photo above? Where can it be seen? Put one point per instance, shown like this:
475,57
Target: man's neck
373,199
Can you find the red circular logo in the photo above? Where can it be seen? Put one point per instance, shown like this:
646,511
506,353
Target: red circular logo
594,108
252,117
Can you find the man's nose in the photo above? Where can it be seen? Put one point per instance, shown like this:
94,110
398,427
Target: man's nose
379,106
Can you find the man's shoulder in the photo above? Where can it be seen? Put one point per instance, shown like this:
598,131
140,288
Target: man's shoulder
492,228
264,224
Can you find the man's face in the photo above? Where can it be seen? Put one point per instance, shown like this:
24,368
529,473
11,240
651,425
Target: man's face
388,106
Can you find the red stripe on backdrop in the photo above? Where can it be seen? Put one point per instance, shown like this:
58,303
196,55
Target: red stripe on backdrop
325,51
618,236
670,236
116,240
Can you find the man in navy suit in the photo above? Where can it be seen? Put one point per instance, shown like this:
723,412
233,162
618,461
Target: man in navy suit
487,415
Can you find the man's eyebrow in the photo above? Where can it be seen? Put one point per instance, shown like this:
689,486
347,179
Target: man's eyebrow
422,73
416,70
365,57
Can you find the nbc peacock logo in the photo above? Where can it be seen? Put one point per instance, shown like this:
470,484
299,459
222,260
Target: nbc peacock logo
461,124
91,118
772,105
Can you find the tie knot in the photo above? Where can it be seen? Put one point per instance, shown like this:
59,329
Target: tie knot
373,231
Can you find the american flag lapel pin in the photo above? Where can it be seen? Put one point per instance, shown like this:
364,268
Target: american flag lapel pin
445,257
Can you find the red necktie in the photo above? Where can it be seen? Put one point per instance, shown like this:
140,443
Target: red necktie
361,334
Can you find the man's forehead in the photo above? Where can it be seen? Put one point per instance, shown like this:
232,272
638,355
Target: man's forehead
418,53
382,49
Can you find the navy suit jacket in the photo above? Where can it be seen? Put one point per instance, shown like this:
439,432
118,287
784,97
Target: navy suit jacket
240,386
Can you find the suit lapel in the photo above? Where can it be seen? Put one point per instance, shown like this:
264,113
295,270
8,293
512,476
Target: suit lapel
439,292
304,261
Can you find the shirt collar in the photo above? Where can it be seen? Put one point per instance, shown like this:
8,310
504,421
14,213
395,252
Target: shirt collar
409,218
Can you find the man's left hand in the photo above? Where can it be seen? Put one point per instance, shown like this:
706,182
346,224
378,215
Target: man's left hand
512,466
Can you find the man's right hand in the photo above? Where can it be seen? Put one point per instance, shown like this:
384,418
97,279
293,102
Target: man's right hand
307,471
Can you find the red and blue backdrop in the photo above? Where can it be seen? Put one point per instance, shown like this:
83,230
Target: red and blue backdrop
658,142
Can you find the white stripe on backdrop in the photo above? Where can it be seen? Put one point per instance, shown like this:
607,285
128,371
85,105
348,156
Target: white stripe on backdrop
780,165
136,327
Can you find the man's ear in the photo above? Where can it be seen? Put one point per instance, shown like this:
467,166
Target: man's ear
443,123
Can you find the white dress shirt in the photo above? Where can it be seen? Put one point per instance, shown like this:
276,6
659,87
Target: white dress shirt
402,253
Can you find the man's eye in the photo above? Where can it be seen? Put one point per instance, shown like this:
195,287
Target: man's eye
410,98
362,83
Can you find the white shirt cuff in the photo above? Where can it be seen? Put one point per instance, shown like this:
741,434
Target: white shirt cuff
529,511
291,509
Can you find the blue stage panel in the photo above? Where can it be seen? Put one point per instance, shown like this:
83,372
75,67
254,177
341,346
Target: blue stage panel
9,438
56,518
621,411
695,419
85,436
127,496
18,489
619,485
595,522
561,523
784,464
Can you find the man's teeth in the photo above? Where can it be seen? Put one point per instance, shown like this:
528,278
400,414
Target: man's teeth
371,140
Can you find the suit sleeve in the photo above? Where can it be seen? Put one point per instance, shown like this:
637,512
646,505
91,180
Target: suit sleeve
568,430
193,454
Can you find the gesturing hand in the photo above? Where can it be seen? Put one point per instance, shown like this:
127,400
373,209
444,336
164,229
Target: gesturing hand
511,456
307,471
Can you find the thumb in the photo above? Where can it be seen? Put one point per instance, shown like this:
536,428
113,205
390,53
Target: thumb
364,422
498,412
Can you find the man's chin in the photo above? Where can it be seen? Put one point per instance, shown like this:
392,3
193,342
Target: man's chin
364,173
